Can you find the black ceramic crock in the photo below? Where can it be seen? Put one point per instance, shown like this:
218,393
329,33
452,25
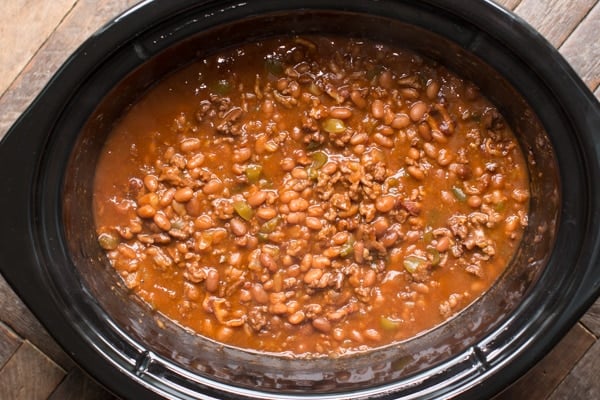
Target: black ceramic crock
48,251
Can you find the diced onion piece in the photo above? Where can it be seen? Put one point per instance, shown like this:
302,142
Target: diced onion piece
253,172
270,225
319,158
412,263
434,256
334,125
389,324
243,209
274,66
347,248
108,241
459,194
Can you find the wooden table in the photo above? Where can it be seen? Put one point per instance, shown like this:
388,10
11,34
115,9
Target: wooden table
36,37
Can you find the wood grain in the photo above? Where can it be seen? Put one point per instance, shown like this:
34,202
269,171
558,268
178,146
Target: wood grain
25,26
83,20
586,36
508,4
554,19
9,343
29,375
552,369
584,378
77,386
591,319
23,323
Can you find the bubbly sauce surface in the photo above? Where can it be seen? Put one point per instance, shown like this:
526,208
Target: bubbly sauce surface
311,195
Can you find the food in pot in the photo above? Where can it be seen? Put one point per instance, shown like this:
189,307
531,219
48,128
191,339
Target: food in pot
311,195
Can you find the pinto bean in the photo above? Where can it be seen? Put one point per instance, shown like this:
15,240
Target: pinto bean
425,131
257,198
400,121
288,195
340,112
414,153
298,205
268,261
314,223
432,90
417,111
161,220
190,144
380,225
266,213
312,275
183,195
288,164
194,207
259,294
146,211
474,201
212,280
385,203
359,138
430,150
296,318
329,168
357,99
386,79
377,109
238,227
299,173
415,172
296,218
195,161
322,324
383,140
213,186
203,222
321,262
512,223
167,197
389,238
443,244
241,155
151,183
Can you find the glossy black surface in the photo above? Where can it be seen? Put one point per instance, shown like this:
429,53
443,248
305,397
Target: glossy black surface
49,254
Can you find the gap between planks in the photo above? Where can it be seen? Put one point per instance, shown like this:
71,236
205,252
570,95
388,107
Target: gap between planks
29,374
549,373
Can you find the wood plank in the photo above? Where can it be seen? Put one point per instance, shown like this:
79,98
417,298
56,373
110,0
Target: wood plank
29,375
77,386
24,25
591,319
82,21
552,369
18,317
508,4
583,382
9,343
582,48
554,19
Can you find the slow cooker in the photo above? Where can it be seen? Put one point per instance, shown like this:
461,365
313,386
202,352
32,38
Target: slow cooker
49,253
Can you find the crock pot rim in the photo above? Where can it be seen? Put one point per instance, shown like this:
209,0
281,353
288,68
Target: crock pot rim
90,47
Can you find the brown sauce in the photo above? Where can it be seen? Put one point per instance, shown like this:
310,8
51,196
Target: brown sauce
311,195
